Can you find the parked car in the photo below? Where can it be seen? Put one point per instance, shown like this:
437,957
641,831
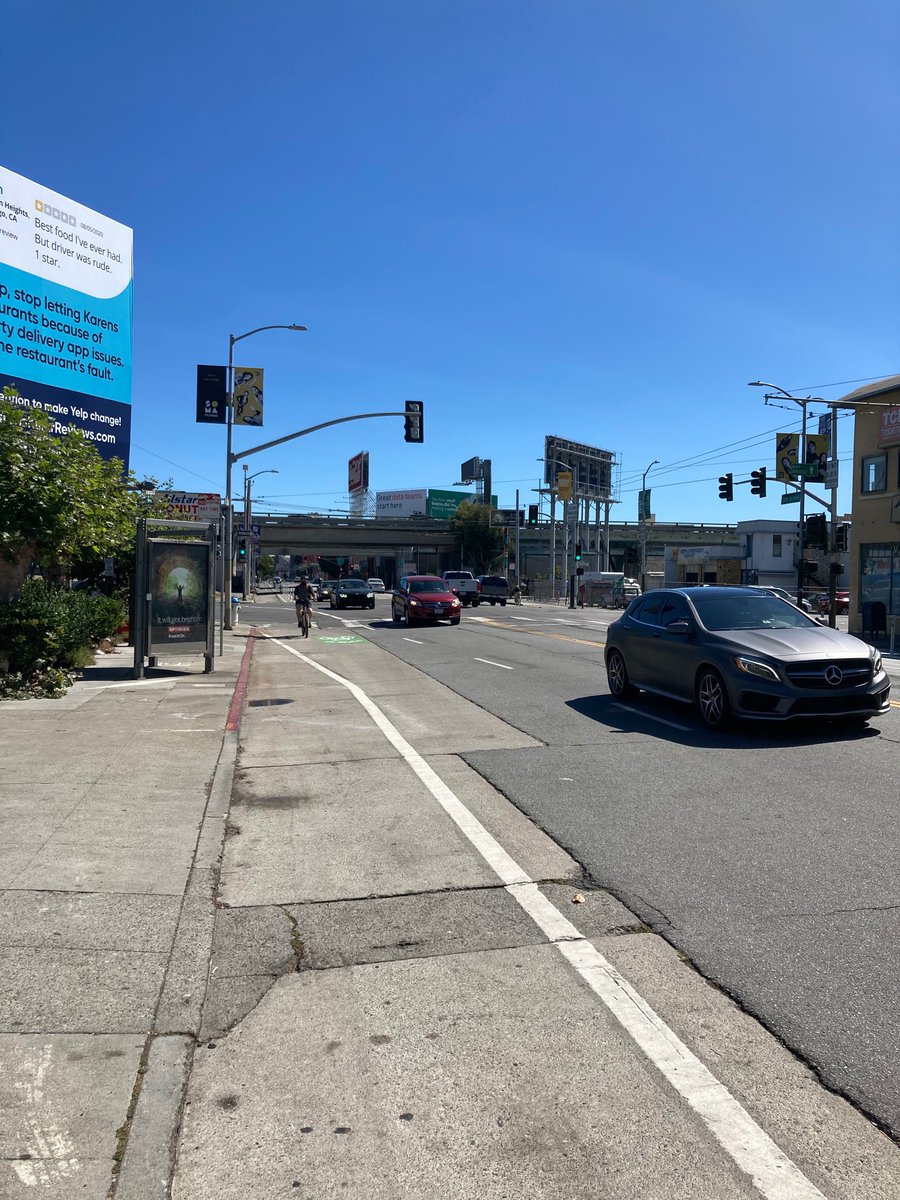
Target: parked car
741,652
326,587
493,588
841,602
425,598
783,594
377,585
465,585
348,593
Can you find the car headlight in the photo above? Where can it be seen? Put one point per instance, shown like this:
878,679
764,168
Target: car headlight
342,595
370,595
753,667
415,604
877,664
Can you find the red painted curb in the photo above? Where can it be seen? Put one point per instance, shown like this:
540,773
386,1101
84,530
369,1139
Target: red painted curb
240,688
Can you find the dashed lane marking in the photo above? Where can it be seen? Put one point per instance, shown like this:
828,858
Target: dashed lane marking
490,662
561,637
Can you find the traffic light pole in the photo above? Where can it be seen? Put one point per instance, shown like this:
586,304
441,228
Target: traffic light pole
801,460
518,565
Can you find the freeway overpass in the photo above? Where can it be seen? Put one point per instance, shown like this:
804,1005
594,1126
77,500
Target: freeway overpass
381,546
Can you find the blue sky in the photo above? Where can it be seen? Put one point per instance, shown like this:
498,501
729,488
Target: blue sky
585,218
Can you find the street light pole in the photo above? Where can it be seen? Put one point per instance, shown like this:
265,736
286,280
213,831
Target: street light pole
802,401
228,553
643,524
249,571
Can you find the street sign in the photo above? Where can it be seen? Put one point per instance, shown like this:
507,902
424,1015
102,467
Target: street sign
790,498
808,470
831,473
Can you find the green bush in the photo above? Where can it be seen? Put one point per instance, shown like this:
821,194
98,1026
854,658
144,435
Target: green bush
47,628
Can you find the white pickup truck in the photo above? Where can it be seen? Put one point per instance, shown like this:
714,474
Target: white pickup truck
465,585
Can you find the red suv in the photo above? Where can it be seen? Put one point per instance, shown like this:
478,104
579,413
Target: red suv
424,598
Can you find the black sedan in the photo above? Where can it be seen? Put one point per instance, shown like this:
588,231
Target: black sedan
740,652
349,592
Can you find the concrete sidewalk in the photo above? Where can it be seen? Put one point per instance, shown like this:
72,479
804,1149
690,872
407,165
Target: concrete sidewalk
332,961
113,803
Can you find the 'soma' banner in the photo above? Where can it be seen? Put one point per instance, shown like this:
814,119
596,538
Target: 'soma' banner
66,313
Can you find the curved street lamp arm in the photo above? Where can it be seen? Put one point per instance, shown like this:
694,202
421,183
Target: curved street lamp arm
240,336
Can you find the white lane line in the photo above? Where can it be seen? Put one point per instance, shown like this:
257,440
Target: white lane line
418,643
774,1175
513,617
650,717
490,662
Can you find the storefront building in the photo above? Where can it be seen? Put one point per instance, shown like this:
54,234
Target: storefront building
875,551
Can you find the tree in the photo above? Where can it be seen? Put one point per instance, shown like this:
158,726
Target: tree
481,547
58,499
266,566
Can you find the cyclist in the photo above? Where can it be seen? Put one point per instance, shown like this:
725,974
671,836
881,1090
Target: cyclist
303,600
517,594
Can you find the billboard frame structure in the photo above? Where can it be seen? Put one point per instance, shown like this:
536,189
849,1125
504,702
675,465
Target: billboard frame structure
590,469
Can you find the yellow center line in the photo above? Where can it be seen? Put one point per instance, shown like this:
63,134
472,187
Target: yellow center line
562,637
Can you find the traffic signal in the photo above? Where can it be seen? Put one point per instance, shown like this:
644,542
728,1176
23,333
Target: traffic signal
758,482
242,550
532,514
578,551
841,539
817,531
726,486
415,421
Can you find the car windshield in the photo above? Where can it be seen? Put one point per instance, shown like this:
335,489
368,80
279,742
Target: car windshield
428,585
353,585
747,611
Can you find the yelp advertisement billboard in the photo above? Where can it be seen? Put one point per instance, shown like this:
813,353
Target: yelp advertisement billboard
66,313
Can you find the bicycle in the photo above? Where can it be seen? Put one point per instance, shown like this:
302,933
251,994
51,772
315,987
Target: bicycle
303,620
517,596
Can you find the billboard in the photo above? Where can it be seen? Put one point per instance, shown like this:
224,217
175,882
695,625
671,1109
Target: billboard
590,467
358,472
413,503
192,506
66,311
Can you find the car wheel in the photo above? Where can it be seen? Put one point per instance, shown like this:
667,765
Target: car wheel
454,620
712,699
371,604
620,686
394,616
503,604
474,603
406,619
493,602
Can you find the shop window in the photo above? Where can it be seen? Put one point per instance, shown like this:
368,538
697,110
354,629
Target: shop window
776,545
874,474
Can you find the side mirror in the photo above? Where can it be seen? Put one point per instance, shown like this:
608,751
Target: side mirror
680,627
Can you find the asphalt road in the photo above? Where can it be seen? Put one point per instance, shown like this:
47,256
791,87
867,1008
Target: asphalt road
768,856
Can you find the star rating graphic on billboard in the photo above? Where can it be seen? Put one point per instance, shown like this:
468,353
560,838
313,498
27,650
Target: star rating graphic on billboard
66,311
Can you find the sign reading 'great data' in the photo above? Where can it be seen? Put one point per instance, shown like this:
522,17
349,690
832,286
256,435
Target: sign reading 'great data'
66,313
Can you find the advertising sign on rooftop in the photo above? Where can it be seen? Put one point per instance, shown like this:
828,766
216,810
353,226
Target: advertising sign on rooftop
66,313
413,503
590,467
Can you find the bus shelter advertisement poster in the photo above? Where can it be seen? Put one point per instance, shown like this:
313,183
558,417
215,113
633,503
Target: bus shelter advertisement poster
66,306
179,594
